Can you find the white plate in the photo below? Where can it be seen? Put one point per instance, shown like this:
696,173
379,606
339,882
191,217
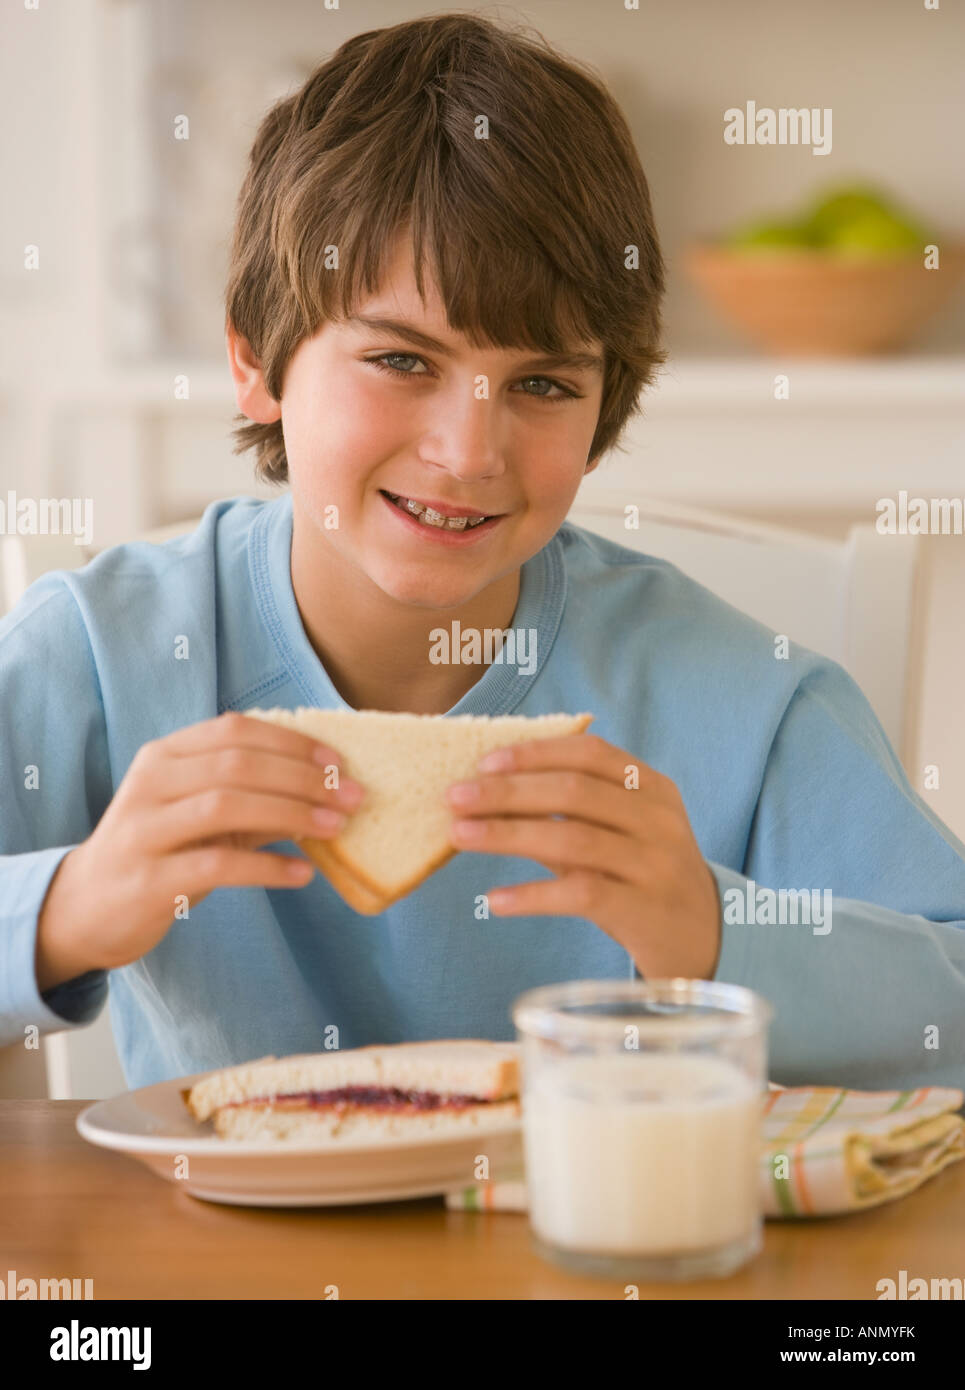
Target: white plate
152,1125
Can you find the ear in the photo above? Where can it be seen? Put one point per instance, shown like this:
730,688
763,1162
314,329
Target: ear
251,393
592,464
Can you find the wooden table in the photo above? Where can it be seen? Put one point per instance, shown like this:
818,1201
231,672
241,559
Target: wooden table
68,1209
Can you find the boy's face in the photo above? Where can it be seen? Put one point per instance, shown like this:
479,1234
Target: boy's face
515,445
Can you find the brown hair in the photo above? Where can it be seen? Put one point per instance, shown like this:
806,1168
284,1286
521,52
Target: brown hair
528,232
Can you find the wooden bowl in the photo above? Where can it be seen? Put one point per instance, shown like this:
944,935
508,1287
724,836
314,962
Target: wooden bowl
818,303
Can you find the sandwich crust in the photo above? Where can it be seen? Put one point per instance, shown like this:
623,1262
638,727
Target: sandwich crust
450,1066
354,884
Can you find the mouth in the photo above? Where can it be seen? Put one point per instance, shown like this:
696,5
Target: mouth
426,518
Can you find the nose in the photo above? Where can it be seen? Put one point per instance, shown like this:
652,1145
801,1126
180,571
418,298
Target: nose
463,439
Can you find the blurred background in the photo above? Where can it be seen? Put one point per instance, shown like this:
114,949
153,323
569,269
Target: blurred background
768,279
132,226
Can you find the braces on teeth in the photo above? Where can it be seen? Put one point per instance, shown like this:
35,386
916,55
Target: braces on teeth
430,518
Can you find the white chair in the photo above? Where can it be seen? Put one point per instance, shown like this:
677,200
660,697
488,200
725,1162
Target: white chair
850,600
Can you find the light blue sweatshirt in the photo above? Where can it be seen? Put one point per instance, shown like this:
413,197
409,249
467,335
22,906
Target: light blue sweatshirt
787,777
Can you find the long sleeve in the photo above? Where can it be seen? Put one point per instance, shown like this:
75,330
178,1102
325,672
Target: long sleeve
873,995
54,785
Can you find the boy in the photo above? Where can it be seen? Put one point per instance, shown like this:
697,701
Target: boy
443,218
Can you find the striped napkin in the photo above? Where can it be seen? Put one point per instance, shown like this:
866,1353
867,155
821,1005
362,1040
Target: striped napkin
824,1150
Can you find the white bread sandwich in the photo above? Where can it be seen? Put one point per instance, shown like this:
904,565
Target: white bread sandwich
364,1095
400,834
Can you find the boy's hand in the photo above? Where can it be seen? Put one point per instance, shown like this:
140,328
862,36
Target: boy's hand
188,817
625,858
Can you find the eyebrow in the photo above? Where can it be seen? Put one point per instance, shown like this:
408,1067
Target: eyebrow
397,328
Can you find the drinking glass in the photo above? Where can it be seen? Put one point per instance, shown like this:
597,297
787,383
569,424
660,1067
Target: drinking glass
642,1104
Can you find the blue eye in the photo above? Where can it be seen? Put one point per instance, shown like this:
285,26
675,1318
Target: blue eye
382,364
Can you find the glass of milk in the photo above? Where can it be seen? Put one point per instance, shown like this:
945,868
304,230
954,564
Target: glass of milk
642,1105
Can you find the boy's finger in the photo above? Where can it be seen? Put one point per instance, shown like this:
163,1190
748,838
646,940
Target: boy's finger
251,769
238,730
583,753
549,792
219,866
213,814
